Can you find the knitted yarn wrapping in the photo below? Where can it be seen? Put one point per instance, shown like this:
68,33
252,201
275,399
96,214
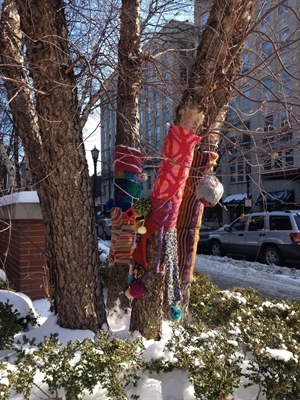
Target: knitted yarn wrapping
174,169
125,191
128,159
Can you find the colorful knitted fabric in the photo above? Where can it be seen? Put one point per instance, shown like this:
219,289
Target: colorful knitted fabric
174,168
128,159
190,215
139,253
122,238
172,269
127,167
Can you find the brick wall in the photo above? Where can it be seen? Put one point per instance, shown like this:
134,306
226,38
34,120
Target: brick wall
22,254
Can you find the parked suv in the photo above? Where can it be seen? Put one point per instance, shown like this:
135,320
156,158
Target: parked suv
273,237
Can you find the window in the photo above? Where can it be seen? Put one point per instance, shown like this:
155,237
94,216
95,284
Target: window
167,116
289,158
141,117
167,103
283,9
267,89
284,118
264,11
232,173
267,163
284,122
286,83
257,223
183,73
246,141
149,125
148,72
266,49
183,53
268,123
280,223
149,180
157,103
278,160
284,39
148,94
245,61
158,133
239,225
241,170
204,18
245,102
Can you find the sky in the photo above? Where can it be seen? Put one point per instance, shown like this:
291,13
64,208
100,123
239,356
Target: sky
174,385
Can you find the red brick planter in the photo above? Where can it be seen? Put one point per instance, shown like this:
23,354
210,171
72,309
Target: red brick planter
22,243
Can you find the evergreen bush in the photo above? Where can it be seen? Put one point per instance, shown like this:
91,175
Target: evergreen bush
235,338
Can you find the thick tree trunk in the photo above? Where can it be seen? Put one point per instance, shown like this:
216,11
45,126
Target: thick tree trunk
146,314
57,160
129,82
201,110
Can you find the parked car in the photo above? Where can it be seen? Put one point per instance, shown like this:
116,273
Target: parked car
273,237
104,228
203,243
103,214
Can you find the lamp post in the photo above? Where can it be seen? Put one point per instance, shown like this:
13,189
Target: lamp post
95,155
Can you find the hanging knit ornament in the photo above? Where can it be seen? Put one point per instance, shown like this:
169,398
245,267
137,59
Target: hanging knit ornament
209,190
143,177
142,229
142,206
175,313
135,291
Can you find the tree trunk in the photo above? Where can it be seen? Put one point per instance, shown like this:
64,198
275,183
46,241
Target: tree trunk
202,110
129,82
57,159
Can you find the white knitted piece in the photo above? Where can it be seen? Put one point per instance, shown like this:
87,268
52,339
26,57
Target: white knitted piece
209,190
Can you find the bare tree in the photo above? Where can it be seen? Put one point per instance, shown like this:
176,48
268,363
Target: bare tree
202,110
45,110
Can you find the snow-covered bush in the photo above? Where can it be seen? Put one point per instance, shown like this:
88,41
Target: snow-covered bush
235,339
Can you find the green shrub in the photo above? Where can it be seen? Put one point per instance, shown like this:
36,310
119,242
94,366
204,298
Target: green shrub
12,323
9,325
236,338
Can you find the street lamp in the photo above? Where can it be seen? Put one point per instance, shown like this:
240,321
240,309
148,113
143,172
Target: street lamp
95,155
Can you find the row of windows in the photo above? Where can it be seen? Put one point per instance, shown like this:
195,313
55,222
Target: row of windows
267,90
258,222
283,9
239,170
268,48
279,159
